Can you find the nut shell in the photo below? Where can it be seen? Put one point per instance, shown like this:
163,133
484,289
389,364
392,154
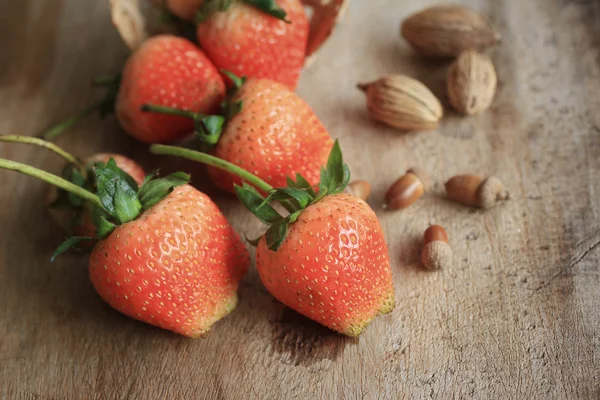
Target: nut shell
406,190
402,102
490,192
464,189
448,30
476,191
437,255
435,233
471,83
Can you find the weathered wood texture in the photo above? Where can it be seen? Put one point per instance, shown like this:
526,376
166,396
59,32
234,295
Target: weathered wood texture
518,315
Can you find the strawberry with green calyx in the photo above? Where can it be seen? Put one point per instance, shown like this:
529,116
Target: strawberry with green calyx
327,259
165,254
268,130
165,70
255,38
67,210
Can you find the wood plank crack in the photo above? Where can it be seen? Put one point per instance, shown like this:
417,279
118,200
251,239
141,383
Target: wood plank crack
576,260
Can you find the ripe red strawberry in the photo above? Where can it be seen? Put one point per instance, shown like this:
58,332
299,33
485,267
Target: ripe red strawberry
165,70
170,71
327,259
177,266
273,135
333,266
164,255
247,41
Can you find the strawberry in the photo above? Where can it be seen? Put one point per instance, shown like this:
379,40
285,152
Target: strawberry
333,265
164,253
327,259
270,131
165,70
170,71
177,266
256,38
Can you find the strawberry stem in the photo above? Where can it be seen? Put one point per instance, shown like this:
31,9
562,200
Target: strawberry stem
171,111
42,143
51,179
56,130
208,128
212,161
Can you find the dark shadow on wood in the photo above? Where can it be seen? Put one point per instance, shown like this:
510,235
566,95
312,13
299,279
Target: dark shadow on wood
302,341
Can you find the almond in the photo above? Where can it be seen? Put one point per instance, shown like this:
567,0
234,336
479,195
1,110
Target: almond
446,31
471,83
402,102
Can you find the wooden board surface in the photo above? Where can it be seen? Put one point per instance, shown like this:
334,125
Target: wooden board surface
518,315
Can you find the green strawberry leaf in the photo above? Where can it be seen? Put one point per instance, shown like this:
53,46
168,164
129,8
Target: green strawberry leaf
269,7
147,179
70,201
68,244
127,204
154,190
322,193
237,81
301,183
336,175
298,197
253,201
324,182
209,129
78,179
294,216
230,110
117,191
103,226
276,234
121,174
335,167
345,180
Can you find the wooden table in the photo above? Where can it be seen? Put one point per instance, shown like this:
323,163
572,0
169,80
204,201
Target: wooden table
517,316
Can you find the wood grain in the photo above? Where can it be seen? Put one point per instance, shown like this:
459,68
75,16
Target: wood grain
518,315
